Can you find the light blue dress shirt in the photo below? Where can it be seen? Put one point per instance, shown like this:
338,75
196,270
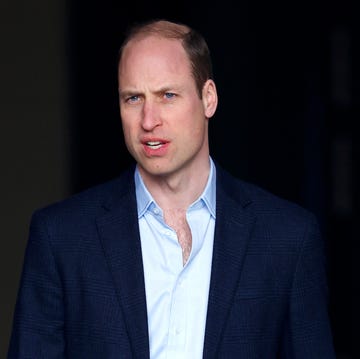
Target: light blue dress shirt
176,295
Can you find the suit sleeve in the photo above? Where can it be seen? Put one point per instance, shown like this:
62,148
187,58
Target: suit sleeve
38,325
308,334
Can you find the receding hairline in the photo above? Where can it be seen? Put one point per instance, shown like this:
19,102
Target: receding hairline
157,28
192,42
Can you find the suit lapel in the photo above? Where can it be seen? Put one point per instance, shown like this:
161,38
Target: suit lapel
119,234
234,223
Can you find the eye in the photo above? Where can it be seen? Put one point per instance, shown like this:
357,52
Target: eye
169,95
133,99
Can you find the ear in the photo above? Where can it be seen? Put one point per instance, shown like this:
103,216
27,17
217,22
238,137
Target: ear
209,98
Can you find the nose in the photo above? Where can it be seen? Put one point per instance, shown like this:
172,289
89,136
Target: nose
150,116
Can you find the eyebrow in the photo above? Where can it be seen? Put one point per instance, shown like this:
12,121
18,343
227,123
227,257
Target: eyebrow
128,93
169,88
161,90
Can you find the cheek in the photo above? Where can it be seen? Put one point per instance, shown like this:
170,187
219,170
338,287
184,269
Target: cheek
128,132
129,121
194,116
197,122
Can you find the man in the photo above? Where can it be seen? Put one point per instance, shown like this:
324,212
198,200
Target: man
174,259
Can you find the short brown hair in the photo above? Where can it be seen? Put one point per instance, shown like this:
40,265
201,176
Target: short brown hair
194,45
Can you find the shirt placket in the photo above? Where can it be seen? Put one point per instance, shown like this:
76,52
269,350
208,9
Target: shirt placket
178,316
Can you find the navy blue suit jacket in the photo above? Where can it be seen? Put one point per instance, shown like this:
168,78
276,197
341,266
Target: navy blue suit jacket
82,290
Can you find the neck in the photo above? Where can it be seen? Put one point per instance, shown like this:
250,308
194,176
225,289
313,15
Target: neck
177,191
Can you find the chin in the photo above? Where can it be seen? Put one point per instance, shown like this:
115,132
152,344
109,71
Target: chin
156,170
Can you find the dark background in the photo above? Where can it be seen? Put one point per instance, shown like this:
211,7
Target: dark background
286,84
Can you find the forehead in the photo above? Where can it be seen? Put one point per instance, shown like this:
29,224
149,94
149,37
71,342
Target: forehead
153,52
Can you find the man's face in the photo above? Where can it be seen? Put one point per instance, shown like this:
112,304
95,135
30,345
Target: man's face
165,122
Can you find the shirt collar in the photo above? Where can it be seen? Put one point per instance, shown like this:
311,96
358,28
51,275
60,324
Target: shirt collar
144,199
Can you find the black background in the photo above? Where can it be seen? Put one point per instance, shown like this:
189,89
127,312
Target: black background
278,123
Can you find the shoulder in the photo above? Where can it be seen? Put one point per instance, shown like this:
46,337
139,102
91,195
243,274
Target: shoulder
266,206
90,202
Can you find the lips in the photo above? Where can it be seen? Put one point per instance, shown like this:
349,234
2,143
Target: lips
155,146
154,142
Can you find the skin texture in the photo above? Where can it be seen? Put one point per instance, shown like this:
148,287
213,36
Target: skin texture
159,103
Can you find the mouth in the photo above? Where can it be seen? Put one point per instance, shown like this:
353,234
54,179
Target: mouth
155,147
154,144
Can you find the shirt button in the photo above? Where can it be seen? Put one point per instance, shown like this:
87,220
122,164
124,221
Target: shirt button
167,232
156,211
